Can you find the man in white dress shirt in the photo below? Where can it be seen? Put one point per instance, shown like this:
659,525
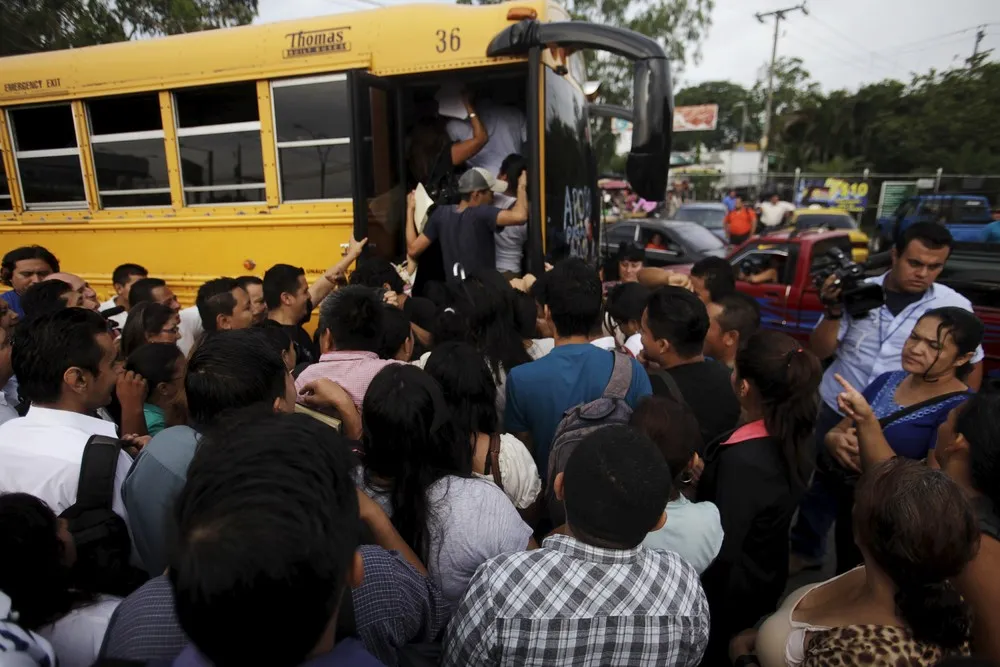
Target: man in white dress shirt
67,364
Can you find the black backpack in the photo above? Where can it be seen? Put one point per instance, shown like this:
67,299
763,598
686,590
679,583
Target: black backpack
103,546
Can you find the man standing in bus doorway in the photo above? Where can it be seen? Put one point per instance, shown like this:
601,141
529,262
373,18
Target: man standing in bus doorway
506,128
466,230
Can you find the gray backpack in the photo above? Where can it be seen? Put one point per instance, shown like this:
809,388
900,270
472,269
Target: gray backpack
580,421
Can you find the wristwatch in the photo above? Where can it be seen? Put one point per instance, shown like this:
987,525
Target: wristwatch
473,115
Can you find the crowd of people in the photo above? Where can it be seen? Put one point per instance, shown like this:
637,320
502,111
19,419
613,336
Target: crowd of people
517,470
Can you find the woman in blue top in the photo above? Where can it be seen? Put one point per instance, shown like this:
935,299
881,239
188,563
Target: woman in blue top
899,413
162,365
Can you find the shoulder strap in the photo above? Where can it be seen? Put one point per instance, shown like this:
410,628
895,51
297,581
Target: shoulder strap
621,377
673,390
494,457
96,488
910,409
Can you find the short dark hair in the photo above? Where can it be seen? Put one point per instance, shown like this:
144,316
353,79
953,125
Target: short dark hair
32,572
145,319
672,427
267,520
964,327
626,301
216,298
16,255
717,274
123,272
45,297
276,335
278,280
155,362
142,290
377,272
631,252
931,234
354,316
679,317
244,281
230,371
572,292
47,345
740,313
615,486
395,331
512,166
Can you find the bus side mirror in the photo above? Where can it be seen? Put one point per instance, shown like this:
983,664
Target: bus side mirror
648,163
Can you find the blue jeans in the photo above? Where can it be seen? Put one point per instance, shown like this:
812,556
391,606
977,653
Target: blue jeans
818,507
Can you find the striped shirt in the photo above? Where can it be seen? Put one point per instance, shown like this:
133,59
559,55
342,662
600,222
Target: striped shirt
873,345
570,603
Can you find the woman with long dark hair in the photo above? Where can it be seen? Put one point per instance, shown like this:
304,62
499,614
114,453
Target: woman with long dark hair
149,322
470,394
916,531
419,469
899,413
37,554
756,477
162,366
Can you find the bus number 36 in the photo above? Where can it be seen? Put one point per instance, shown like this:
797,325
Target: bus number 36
448,41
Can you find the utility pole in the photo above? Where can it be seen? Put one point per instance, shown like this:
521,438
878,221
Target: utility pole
779,15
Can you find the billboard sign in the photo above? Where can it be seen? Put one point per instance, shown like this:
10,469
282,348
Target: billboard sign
850,195
698,118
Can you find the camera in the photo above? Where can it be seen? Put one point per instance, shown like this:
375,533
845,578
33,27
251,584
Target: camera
857,296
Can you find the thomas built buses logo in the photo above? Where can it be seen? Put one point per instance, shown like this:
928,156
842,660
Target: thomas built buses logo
315,42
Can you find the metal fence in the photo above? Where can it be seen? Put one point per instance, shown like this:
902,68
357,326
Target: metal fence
866,194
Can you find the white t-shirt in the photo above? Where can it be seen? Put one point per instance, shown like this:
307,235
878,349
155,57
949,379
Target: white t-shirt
771,215
77,636
471,521
507,130
605,343
693,531
191,329
634,344
118,319
540,347
518,472
41,454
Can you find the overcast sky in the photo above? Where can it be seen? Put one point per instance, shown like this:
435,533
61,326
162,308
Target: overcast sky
844,43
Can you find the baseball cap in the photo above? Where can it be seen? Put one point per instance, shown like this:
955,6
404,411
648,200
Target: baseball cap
477,179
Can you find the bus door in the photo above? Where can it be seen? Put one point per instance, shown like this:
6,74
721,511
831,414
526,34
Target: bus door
571,209
377,161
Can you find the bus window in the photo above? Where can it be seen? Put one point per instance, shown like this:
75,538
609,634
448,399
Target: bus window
218,131
312,124
570,173
129,154
48,157
6,203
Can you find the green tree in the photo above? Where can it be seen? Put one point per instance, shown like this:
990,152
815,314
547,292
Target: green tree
27,26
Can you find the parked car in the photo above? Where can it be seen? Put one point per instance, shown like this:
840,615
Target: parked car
832,219
709,215
963,215
682,242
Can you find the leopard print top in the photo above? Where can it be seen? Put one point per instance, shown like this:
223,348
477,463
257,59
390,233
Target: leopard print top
871,646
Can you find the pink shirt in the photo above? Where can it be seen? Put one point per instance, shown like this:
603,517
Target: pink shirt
352,370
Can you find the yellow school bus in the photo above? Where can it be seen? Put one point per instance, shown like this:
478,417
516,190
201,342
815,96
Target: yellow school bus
224,152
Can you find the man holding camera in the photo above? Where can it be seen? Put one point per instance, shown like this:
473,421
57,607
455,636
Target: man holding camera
867,346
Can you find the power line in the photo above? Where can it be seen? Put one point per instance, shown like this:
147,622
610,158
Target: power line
849,40
933,38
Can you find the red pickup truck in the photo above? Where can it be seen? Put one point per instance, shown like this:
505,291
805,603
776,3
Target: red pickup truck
792,303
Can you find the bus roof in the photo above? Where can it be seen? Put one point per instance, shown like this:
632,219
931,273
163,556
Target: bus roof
392,40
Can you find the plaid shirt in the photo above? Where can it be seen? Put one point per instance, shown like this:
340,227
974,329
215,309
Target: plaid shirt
353,371
570,603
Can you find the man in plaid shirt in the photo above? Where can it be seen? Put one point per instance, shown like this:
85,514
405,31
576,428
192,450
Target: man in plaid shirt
592,596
